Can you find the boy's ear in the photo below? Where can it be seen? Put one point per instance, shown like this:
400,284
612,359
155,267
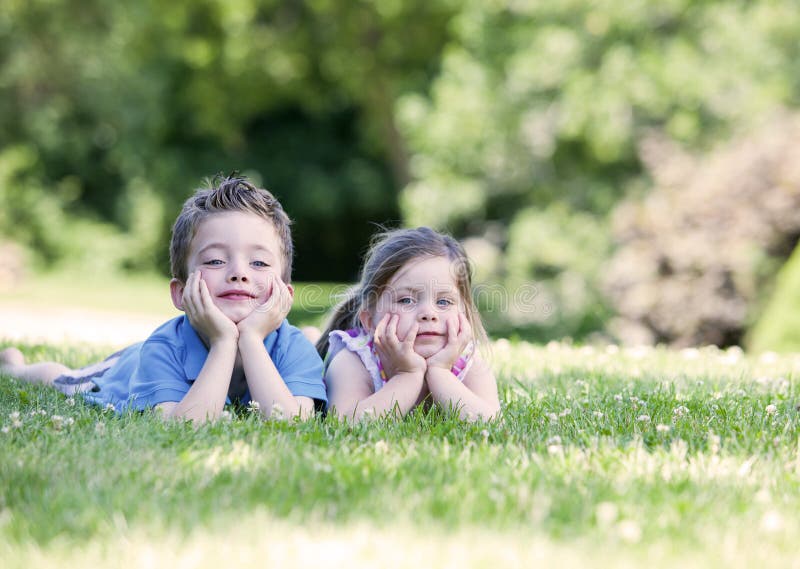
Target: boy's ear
365,319
290,288
176,292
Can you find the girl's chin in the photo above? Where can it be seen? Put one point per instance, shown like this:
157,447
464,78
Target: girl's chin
427,351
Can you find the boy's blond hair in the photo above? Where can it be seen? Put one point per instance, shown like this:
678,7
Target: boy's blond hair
225,194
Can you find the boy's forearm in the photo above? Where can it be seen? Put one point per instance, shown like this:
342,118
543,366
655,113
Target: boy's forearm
447,390
264,381
205,400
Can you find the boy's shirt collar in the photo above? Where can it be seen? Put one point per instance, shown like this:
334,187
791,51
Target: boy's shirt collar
197,352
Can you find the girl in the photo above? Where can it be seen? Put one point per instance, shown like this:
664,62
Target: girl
408,331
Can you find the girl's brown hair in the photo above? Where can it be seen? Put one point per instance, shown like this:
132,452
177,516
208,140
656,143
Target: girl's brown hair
388,253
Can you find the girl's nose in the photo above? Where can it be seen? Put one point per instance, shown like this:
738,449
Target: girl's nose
427,312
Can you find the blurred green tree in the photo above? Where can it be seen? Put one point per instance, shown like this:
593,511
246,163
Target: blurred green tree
125,106
543,103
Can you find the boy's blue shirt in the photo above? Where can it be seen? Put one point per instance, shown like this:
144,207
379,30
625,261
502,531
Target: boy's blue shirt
163,367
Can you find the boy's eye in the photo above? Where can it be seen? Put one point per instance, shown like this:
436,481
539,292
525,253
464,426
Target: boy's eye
260,264
405,300
212,262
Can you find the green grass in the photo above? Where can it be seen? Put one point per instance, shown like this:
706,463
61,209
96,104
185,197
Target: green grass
603,457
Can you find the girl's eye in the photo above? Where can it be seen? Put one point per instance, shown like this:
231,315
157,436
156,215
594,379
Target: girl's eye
260,264
212,262
405,300
445,302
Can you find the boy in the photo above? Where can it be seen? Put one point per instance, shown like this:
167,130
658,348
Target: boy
231,261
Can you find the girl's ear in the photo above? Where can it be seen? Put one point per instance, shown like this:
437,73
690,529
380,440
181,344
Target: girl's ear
176,292
365,319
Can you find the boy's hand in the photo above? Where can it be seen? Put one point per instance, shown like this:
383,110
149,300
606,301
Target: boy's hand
459,334
205,317
397,356
266,318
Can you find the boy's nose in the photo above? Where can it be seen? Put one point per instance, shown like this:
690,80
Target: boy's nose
237,273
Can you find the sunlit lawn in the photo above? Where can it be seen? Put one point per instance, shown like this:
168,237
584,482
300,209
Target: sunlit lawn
605,456
140,294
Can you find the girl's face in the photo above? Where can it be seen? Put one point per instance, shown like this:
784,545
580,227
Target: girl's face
424,291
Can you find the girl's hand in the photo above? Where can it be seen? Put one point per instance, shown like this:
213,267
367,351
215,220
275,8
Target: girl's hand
397,356
459,334
204,316
266,318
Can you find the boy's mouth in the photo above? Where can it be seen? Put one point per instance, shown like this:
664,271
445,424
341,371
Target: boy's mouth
236,295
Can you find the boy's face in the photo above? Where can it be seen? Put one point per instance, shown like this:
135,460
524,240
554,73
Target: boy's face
423,291
237,254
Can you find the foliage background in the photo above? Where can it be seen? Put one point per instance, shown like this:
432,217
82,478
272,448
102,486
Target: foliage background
519,126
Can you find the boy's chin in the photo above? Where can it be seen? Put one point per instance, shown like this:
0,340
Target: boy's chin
236,316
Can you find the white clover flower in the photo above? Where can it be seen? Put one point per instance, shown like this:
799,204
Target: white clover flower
485,434
598,414
254,406
553,417
16,424
629,531
763,496
679,412
58,422
768,358
554,449
771,409
618,397
643,418
225,415
690,353
5,430
14,416
110,407
715,441
277,411
71,401
771,522
606,513
661,428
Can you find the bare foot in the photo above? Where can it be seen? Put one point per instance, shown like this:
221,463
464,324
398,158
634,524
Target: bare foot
11,357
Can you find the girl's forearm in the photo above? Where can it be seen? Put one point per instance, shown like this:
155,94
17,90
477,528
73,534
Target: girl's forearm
448,391
205,400
401,393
